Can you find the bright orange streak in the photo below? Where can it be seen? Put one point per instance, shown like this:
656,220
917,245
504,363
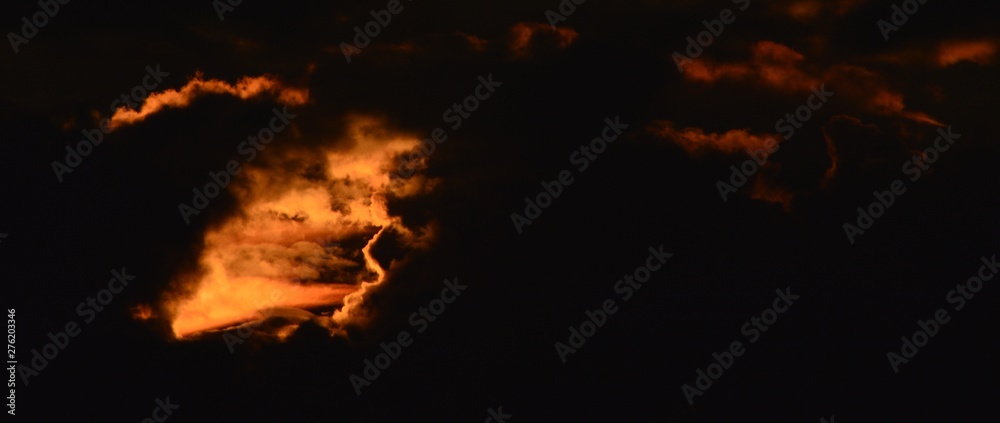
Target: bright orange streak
245,88
223,300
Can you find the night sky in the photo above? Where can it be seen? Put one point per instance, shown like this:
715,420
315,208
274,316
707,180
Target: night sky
383,211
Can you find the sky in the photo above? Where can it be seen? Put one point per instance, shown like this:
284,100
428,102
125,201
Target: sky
730,210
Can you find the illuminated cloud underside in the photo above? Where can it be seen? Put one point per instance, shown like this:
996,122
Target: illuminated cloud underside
290,245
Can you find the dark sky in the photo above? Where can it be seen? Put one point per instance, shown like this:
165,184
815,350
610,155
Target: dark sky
297,216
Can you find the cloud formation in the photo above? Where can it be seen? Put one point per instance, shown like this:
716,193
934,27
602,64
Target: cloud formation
245,88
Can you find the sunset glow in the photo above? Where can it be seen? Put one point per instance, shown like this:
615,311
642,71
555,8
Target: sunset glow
300,240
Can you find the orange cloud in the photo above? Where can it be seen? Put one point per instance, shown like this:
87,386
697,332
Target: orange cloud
781,68
806,9
769,192
524,34
888,102
478,44
947,53
773,64
142,312
696,141
301,240
811,9
245,88
981,52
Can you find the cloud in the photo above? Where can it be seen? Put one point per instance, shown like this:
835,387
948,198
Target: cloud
477,44
306,223
981,52
245,88
764,188
780,68
945,54
527,37
851,154
696,141
806,10
862,151
774,65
